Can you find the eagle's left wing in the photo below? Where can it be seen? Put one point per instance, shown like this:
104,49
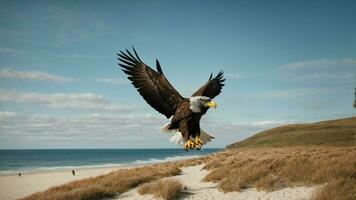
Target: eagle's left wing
212,88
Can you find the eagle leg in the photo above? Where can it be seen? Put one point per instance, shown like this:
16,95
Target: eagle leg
198,143
188,145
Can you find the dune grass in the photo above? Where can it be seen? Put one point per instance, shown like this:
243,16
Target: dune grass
166,189
106,186
337,189
276,168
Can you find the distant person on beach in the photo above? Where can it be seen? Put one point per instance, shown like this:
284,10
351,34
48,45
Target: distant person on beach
19,174
355,99
73,172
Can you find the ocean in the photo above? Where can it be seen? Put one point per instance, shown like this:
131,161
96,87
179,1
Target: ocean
25,161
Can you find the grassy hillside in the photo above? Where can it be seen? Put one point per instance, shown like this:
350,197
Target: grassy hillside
341,132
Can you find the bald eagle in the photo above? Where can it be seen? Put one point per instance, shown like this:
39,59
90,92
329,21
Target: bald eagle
185,113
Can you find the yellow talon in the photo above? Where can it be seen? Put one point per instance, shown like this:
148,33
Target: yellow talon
198,143
189,145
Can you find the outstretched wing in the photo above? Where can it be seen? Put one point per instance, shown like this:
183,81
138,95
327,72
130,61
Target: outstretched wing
152,85
213,87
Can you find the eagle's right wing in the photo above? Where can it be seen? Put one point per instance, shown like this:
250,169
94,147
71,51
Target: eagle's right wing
152,85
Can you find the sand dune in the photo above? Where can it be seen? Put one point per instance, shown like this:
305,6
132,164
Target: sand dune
196,190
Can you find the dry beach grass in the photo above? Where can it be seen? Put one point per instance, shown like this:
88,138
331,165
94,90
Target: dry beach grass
165,189
272,169
267,169
106,186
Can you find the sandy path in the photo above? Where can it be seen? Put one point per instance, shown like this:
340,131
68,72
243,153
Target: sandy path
196,190
14,187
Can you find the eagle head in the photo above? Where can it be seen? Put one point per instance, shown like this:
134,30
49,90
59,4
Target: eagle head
201,103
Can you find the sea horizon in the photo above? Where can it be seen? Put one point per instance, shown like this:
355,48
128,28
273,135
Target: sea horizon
14,161
99,148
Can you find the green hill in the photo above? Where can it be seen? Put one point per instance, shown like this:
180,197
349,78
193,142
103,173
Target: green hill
340,132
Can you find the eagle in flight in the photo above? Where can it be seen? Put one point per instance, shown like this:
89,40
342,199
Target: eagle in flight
185,113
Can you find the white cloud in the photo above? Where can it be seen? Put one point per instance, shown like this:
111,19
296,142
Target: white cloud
95,130
76,56
32,75
255,126
291,93
227,133
115,81
267,123
317,63
324,69
110,130
327,76
6,114
85,101
233,76
9,50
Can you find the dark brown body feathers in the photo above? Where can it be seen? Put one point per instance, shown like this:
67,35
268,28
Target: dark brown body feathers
186,121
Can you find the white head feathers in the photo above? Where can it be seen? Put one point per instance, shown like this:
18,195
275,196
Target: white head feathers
197,103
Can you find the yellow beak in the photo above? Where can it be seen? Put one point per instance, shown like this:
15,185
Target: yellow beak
211,104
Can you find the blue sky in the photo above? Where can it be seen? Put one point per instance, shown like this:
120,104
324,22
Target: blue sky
60,87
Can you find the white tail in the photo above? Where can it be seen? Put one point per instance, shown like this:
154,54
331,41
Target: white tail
205,138
177,138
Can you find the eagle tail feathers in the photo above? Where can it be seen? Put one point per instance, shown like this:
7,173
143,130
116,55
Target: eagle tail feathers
205,137
177,138
176,135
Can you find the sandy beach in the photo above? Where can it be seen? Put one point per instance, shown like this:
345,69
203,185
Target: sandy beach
14,187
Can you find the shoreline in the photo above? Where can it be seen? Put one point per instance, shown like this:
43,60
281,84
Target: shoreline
14,187
79,168
137,163
8,171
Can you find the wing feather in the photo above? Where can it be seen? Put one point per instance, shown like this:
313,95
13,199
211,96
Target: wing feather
212,87
152,85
